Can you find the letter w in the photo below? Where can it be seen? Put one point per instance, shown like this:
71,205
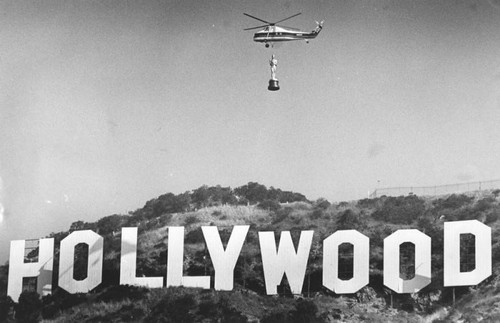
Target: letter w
285,261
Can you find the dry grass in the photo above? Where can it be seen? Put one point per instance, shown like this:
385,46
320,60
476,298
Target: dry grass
149,239
437,315
224,215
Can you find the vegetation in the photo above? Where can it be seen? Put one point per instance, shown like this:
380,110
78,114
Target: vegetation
267,210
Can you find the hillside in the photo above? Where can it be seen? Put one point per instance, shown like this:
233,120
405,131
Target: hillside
270,210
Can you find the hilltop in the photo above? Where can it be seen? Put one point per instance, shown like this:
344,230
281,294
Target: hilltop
270,209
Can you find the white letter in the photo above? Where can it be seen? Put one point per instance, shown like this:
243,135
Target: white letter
224,261
452,232
128,262
422,277
285,261
41,269
94,263
175,261
361,260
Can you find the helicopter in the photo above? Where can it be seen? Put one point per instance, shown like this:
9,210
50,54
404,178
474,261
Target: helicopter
273,33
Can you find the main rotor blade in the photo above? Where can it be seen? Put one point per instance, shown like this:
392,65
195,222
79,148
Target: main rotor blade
277,22
246,14
256,27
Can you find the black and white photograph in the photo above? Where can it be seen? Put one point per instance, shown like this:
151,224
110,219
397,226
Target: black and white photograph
250,161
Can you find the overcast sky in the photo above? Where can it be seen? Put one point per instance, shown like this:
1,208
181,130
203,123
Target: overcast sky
107,104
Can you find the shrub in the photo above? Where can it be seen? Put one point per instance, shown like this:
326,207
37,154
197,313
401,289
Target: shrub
253,192
68,300
368,203
305,311
277,315
349,220
29,307
270,205
176,307
110,223
165,219
491,217
220,311
208,308
495,251
121,292
400,210
466,213
216,213
322,203
6,304
49,311
194,236
166,203
317,213
50,308
282,214
128,313
454,201
243,201
301,205
343,204
192,219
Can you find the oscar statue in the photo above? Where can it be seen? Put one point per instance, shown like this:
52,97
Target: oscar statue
273,82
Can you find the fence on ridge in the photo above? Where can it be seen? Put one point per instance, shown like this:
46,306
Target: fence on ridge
437,189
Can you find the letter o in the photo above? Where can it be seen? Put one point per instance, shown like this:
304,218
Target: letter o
94,266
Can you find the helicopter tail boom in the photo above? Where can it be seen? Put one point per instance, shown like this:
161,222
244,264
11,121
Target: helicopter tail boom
318,27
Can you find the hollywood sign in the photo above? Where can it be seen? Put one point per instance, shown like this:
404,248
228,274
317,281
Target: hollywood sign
276,260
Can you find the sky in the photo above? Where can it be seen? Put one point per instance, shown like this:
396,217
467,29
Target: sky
105,105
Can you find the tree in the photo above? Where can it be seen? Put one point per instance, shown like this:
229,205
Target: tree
110,223
322,203
288,197
273,193
200,196
78,225
253,192
168,203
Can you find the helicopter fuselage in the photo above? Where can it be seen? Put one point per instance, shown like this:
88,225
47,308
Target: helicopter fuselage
272,34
